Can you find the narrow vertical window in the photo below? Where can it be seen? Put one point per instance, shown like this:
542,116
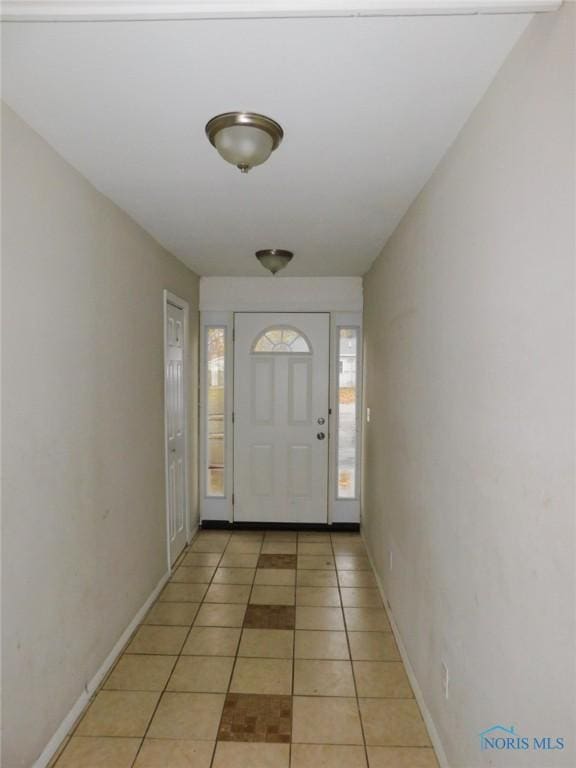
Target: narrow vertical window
347,399
215,410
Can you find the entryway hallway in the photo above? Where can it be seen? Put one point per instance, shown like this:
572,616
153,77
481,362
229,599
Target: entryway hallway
264,650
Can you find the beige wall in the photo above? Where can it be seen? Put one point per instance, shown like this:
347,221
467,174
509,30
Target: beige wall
469,323
84,513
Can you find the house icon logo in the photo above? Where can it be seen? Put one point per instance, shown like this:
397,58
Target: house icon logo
495,733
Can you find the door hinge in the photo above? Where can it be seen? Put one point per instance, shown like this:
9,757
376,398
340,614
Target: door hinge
232,499
233,417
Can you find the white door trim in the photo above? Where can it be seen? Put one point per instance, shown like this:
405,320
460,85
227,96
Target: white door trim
171,298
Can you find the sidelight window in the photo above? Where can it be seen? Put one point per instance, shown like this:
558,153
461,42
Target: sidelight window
347,413
215,410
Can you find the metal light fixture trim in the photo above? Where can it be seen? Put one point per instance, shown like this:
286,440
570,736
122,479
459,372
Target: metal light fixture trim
246,120
274,259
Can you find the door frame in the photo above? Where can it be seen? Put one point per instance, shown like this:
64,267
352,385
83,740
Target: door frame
220,511
170,298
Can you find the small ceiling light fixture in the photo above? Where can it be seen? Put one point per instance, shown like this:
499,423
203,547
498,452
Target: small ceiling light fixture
244,139
274,259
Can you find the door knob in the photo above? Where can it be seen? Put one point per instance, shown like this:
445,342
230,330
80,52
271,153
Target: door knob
320,435
321,420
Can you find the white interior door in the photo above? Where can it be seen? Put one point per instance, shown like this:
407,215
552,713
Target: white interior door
281,417
175,429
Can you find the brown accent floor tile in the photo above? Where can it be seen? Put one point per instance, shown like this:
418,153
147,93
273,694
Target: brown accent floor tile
235,754
402,757
98,752
270,617
175,753
327,756
140,673
118,713
277,561
250,717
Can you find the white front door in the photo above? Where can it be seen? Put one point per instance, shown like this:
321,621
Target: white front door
281,417
175,429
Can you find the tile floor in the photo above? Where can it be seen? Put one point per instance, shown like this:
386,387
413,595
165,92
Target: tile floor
265,650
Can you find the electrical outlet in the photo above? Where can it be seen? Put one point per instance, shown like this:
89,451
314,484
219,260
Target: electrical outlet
445,680
367,414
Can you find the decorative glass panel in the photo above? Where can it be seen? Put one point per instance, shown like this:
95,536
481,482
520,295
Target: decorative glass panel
283,339
215,410
347,441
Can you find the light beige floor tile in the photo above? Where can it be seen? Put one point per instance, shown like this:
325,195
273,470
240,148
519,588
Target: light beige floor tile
202,674
280,536
324,720
373,646
164,640
187,716
228,593
382,679
273,676
279,547
234,576
201,558
267,643
208,545
212,641
313,536
183,593
245,546
354,548
316,579
172,614
140,673
270,595
180,753
327,756
357,579
316,562
95,752
323,678
307,547
351,563
361,597
253,535
239,560
308,617
118,713
275,577
402,757
193,574
235,754
317,596
393,723
366,620
220,615
311,644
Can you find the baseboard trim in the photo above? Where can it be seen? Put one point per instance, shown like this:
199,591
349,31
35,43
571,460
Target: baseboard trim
242,526
55,742
432,731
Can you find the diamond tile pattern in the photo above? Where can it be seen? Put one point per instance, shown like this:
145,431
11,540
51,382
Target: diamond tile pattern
268,649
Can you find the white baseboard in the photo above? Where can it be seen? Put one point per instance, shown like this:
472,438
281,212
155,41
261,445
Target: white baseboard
56,740
432,731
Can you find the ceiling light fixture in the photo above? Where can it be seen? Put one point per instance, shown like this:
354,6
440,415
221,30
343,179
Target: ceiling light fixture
274,259
244,139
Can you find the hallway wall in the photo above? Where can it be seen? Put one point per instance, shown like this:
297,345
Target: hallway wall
469,487
84,536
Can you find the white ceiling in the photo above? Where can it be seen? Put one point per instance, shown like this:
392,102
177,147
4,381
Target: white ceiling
368,105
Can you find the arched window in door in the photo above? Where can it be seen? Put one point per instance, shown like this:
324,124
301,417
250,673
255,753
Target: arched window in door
282,339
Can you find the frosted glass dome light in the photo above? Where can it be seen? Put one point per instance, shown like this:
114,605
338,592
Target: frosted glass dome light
244,139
